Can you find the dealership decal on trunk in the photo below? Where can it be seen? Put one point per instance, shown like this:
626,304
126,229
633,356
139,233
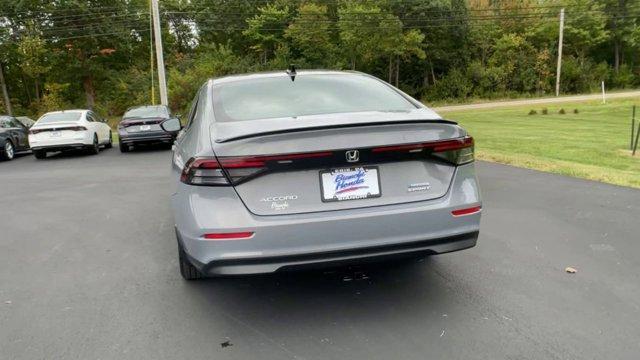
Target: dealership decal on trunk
350,183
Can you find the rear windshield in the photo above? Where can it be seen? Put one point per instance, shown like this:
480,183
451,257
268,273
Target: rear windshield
147,112
59,117
315,94
5,122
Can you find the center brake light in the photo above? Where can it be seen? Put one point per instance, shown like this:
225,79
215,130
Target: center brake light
458,151
211,171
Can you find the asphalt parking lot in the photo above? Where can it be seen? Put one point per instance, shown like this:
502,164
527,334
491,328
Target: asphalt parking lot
88,270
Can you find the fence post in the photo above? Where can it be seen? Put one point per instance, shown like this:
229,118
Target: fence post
633,126
635,146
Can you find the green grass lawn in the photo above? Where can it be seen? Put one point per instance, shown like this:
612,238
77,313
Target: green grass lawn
593,144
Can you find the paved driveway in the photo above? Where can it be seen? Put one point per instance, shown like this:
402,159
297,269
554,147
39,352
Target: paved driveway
88,271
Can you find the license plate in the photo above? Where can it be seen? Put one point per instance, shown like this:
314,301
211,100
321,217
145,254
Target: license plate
350,183
55,133
145,127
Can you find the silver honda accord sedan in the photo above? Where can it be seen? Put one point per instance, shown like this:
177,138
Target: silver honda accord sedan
286,170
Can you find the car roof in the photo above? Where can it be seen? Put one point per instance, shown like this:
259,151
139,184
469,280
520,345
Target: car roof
282,73
67,111
147,106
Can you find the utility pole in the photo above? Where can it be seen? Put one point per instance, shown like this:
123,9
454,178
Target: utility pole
560,52
162,81
153,90
5,93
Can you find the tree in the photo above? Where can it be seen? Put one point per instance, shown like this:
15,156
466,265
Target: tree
33,60
584,27
367,31
266,29
310,33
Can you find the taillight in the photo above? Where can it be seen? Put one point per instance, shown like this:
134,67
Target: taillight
457,151
126,124
70,128
211,172
203,171
232,170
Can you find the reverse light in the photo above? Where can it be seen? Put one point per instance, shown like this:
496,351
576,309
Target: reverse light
466,211
229,236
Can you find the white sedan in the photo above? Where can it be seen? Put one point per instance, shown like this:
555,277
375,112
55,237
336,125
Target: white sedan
67,130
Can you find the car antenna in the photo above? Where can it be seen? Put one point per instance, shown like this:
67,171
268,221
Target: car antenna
291,71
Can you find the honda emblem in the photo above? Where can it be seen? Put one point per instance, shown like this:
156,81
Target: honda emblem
352,156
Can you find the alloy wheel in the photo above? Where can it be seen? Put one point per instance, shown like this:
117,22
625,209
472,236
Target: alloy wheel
8,150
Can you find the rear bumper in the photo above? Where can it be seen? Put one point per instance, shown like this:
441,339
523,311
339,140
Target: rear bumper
67,141
61,147
284,241
338,257
146,137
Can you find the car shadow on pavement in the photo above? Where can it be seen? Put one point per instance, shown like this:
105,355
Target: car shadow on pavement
395,292
148,148
68,154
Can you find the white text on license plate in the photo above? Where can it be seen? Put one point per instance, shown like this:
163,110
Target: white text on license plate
350,183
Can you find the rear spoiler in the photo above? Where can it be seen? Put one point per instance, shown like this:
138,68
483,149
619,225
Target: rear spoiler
338,126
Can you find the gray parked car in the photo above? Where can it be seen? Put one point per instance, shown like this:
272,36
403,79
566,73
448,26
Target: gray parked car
145,125
14,137
283,170
26,121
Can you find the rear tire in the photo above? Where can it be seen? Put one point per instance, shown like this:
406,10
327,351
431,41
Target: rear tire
187,270
40,154
123,147
9,151
95,148
110,143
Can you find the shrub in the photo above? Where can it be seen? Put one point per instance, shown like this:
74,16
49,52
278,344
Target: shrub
533,112
562,112
624,78
453,85
575,111
545,111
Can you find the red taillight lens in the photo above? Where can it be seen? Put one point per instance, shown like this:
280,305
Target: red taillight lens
457,151
229,236
203,171
233,170
466,211
70,128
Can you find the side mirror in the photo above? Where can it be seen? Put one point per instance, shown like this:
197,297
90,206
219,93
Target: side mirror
172,125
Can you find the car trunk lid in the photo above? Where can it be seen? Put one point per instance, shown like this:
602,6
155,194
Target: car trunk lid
333,167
